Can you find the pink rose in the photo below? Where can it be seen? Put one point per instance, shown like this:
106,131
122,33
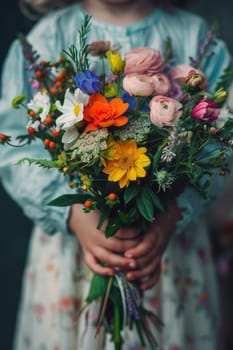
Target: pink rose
143,60
138,84
164,111
162,84
186,74
205,110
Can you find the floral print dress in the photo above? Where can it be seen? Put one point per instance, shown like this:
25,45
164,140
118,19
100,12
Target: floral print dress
56,279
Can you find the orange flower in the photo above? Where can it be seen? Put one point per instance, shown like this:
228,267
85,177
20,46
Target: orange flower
100,113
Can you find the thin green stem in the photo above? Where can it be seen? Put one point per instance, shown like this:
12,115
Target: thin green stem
116,329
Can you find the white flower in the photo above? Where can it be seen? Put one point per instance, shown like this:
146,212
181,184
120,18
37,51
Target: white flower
223,116
72,108
69,138
164,179
40,103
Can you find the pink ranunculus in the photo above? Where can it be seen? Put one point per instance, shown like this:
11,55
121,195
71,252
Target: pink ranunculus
162,84
100,47
184,73
164,111
138,84
143,60
205,110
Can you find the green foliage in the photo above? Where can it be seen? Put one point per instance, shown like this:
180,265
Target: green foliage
69,199
41,162
79,57
98,287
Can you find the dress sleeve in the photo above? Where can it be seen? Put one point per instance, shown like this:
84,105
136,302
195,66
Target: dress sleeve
32,187
192,203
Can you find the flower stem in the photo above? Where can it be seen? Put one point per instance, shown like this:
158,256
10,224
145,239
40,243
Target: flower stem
116,329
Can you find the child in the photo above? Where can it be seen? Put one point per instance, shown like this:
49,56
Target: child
58,270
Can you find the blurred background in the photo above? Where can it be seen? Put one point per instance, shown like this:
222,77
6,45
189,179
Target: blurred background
15,227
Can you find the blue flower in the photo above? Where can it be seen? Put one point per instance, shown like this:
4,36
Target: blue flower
88,82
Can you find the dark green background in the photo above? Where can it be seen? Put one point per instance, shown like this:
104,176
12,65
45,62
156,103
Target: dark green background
14,227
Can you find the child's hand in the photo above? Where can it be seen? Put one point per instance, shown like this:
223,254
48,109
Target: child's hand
148,253
97,248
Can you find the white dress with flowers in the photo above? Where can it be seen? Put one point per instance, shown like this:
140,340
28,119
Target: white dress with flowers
56,278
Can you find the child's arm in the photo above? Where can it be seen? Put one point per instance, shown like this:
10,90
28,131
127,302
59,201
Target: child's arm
148,253
97,248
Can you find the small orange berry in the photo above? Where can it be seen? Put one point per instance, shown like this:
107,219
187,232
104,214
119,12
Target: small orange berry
3,137
58,83
61,59
38,73
46,142
32,113
43,63
55,132
48,120
87,204
31,130
53,90
52,145
112,196
58,77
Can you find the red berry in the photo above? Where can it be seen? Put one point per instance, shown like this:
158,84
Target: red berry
55,132
31,130
112,196
48,120
87,204
43,63
32,113
46,142
58,83
38,73
3,137
53,90
52,145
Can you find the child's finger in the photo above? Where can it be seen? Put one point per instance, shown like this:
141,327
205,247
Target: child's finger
96,267
151,281
143,272
112,259
148,243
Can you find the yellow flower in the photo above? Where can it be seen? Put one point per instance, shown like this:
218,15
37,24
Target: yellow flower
117,64
127,164
85,182
110,91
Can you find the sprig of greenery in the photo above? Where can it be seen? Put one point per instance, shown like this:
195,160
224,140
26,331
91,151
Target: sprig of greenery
41,162
79,57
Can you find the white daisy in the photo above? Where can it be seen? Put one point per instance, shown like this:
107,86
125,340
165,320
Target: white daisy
40,103
69,138
72,108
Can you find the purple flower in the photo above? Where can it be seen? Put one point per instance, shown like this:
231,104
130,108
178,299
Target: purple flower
88,82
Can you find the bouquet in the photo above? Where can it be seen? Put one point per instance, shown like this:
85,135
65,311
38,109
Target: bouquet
129,136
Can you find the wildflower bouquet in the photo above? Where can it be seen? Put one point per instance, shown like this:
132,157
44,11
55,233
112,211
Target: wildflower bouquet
129,138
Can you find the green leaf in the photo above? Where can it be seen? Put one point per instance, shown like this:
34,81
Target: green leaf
69,199
211,150
104,215
145,205
17,101
98,287
112,227
155,199
123,217
130,193
157,157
